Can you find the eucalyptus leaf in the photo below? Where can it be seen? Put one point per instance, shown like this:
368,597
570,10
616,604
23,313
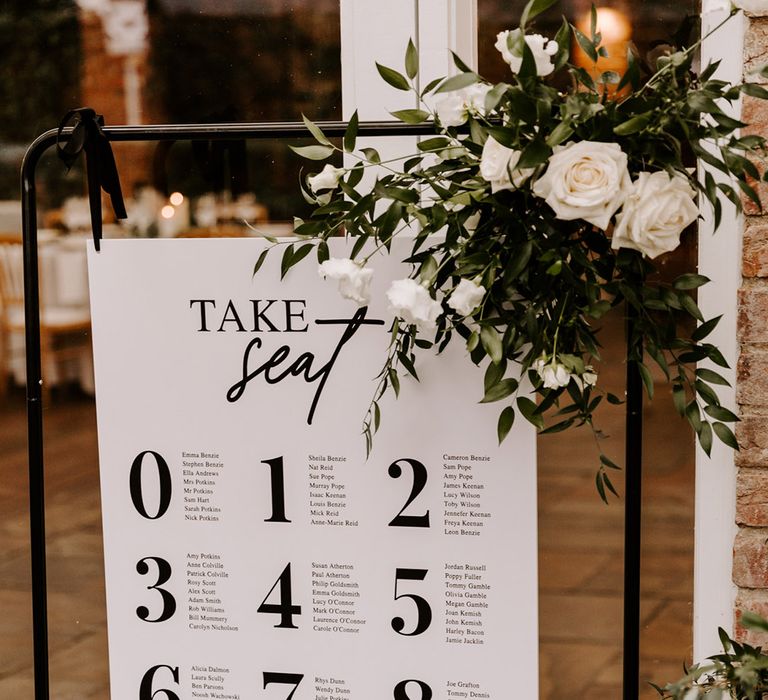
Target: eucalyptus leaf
315,130
313,152
411,60
395,79
457,82
506,420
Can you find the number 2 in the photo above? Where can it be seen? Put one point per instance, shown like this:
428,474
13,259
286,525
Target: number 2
419,482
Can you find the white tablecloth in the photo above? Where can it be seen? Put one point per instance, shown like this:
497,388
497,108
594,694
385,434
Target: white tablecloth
64,294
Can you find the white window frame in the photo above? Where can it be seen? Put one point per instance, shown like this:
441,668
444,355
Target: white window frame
714,593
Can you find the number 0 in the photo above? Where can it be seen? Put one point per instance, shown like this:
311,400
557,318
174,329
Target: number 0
137,493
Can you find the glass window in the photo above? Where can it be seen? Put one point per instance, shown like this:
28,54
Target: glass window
581,539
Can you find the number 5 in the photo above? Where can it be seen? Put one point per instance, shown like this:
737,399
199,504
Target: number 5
422,606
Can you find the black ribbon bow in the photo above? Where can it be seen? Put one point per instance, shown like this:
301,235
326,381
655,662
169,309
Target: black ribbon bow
87,135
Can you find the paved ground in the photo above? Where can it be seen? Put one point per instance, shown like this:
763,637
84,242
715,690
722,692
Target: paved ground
581,542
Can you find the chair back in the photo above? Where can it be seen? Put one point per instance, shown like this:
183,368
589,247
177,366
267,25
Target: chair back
11,271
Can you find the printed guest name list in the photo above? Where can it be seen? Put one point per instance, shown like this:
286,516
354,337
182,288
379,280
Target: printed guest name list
252,548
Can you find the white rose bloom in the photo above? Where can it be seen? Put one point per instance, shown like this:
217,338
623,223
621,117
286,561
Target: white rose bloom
327,179
543,51
451,110
474,97
454,108
553,374
466,297
411,302
587,378
586,180
496,164
655,213
354,280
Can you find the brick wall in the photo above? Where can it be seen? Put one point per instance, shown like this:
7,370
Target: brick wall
750,554
103,88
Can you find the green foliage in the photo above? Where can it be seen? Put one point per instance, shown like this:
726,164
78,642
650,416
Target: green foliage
545,277
740,671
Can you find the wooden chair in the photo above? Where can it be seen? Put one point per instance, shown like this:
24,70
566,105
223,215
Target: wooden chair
64,331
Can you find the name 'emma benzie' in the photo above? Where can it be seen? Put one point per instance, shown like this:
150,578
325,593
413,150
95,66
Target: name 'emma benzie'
276,316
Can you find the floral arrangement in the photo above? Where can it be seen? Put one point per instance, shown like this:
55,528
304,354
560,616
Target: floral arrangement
740,671
553,206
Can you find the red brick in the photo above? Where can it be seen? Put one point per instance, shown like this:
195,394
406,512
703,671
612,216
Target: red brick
752,378
754,112
750,601
752,497
753,314
752,434
755,48
750,558
755,248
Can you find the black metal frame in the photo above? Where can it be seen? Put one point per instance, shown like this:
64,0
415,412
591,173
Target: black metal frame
273,130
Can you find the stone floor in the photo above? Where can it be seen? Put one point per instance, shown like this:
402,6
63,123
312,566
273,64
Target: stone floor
581,541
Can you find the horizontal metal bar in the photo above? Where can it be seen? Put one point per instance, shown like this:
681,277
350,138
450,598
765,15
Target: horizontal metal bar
225,132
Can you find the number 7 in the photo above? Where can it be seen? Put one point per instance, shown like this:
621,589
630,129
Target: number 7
287,678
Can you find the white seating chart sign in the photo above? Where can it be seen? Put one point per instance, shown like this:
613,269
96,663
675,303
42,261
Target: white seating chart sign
252,551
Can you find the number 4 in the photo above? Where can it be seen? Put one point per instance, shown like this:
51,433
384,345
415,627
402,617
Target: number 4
285,607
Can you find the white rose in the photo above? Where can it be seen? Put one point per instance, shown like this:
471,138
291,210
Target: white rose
655,213
587,378
553,375
411,302
474,97
454,108
354,280
451,110
497,162
466,297
327,179
543,51
586,180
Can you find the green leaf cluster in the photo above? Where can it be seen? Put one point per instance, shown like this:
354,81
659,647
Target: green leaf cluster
740,671
547,280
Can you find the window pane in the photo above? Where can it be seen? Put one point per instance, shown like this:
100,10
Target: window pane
581,539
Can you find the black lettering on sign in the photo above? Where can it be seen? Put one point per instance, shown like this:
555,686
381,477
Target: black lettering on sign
419,482
285,608
163,576
277,489
145,689
424,619
136,482
401,690
274,371
286,678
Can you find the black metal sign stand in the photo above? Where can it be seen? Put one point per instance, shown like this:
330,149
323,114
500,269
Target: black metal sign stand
225,132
